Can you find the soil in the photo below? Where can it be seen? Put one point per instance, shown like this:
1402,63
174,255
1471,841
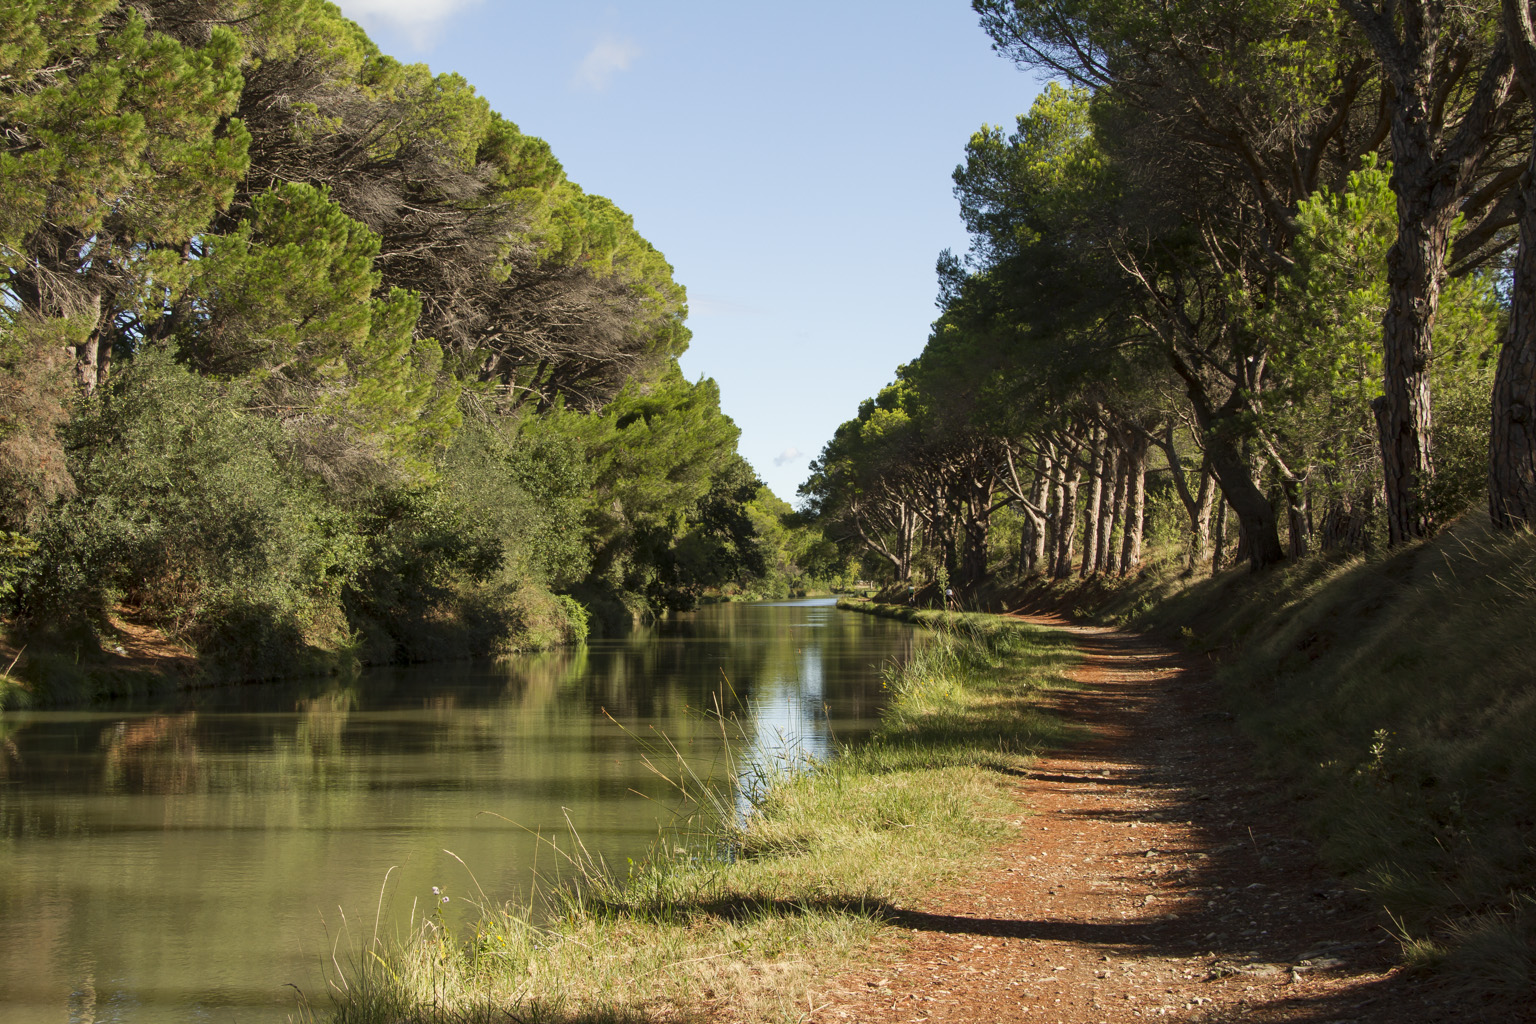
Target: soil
129,645
1154,876
146,649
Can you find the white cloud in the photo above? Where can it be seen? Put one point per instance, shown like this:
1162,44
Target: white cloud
608,56
419,19
788,455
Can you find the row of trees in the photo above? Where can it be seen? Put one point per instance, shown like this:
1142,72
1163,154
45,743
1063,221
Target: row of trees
1273,254
301,346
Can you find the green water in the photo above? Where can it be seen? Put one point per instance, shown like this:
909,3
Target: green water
191,859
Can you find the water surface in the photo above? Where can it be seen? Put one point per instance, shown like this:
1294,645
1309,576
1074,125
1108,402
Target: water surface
183,861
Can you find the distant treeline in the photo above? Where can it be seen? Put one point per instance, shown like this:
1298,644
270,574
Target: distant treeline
1267,253
305,350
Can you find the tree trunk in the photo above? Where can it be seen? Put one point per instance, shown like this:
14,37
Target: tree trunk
88,367
1218,554
976,527
1415,272
1114,493
1297,522
1512,441
1255,516
1346,521
1259,530
1404,417
1066,503
1434,166
908,520
1053,509
1200,517
1042,497
1197,503
1111,563
1100,453
1135,504
973,559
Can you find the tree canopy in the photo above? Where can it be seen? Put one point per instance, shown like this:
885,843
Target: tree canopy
1214,270
305,347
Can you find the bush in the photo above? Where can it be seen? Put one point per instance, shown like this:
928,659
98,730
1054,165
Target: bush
187,510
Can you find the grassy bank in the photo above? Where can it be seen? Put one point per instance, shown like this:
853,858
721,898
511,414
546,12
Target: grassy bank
123,656
749,914
1395,695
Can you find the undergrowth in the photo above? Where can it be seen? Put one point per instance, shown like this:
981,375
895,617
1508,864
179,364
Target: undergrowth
1395,693
749,912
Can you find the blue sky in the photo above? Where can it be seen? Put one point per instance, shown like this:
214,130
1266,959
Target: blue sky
791,160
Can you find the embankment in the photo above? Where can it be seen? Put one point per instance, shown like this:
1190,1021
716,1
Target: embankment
742,916
118,654
1394,695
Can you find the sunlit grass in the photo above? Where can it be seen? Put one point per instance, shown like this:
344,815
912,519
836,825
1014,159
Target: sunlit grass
756,912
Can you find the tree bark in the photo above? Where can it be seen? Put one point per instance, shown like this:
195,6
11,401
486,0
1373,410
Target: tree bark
1114,494
88,353
1512,439
1197,504
1066,503
1053,510
1430,178
976,525
1201,516
1099,453
1297,520
1042,495
1404,416
1218,553
1111,563
1135,504
1259,528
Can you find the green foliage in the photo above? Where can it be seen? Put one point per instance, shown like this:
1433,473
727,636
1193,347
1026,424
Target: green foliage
578,622
15,551
549,463
1325,362
187,511
308,353
1179,255
289,300
666,490
35,400
135,139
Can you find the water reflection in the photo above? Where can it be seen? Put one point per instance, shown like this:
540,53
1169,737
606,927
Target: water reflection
183,861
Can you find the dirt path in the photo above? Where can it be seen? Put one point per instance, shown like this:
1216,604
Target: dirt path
1152,878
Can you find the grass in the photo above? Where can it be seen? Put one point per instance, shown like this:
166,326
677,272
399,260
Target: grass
1395,694
752,914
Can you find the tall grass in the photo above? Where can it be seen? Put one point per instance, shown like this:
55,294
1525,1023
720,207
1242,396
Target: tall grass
751,912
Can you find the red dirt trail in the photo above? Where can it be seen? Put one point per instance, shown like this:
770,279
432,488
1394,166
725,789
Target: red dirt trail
1154,877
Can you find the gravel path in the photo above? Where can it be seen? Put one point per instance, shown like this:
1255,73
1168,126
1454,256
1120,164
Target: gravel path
1153,877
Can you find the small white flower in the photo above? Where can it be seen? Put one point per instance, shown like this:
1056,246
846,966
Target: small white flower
445,899
436,891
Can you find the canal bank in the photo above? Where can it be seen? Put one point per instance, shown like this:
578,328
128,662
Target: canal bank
745,919
185,858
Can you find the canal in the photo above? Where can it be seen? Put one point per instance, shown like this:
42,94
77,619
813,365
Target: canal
206,856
